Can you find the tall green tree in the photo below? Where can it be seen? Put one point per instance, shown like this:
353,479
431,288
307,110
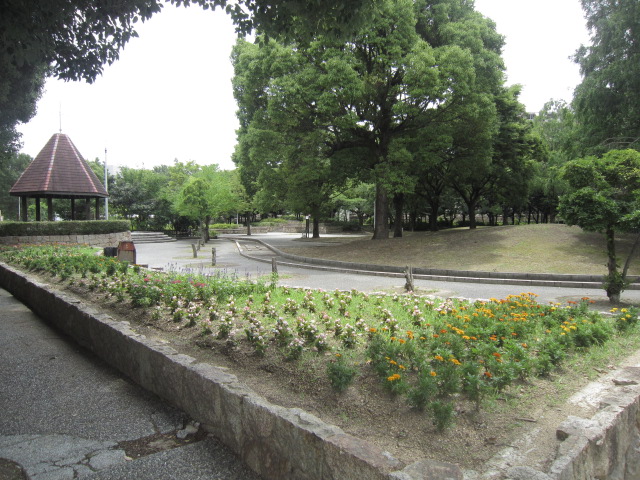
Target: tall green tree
604,197
368,95
607,102
10,171
209,194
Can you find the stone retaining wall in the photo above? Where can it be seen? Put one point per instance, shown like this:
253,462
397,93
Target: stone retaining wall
101,240
288,443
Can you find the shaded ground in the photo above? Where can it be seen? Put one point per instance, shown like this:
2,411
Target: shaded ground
523,248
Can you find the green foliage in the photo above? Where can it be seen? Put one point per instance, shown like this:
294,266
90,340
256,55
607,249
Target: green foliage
607,102
341,373
315,116
92,227
11,167
603,196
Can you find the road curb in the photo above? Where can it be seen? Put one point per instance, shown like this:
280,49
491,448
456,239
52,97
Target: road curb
440,275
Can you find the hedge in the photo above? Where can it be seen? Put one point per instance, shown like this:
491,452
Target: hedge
88,227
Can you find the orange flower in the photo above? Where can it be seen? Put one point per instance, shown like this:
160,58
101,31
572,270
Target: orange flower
488,374
432,373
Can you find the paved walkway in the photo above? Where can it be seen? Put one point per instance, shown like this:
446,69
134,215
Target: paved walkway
178,256
65,415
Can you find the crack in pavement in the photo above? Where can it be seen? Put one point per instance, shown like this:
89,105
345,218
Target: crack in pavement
62,457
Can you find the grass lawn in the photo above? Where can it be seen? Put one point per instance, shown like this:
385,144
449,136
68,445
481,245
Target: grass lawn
522,248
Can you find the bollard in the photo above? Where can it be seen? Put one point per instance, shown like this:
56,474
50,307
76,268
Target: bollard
195,252
408,275
213,256
274,265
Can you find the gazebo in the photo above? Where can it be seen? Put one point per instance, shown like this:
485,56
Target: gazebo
58,171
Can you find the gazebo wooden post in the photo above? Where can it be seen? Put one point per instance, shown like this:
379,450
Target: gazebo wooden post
24,205
73,208
37,209
50,209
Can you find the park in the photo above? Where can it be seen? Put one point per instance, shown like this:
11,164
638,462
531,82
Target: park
407,275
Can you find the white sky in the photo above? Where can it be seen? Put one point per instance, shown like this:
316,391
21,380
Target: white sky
169,95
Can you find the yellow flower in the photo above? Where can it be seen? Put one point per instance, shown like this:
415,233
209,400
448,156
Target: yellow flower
393,377
439,358
432,373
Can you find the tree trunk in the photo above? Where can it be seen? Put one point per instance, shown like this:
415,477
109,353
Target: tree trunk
434,205
627,263
316,227
398,203
205,229
471,206
381,227
615,283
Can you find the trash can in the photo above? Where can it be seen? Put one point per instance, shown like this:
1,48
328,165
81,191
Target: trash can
110,251
127,252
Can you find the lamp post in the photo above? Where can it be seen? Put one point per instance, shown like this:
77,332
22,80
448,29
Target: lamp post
307,227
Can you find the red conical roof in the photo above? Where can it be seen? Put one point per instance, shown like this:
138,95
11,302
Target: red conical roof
59,170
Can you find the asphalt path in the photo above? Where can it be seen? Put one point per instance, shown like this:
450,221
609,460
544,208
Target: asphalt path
178,256
64,415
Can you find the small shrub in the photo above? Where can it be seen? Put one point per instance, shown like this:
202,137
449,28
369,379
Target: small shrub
341,374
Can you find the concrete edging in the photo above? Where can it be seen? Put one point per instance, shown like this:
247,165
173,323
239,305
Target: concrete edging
443,275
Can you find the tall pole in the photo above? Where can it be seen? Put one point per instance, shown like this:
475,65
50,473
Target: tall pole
106,187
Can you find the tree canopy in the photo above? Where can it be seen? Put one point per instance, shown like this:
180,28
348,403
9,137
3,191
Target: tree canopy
604,196
409,73
607,102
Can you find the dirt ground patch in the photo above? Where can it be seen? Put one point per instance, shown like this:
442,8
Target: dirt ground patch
523,248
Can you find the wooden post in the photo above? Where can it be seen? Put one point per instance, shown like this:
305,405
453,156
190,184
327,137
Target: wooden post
408,275
50,216
73,208
213,256
24,208
195,252
37,209
274,265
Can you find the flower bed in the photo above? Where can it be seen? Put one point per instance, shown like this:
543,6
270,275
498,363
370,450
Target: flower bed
432,353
